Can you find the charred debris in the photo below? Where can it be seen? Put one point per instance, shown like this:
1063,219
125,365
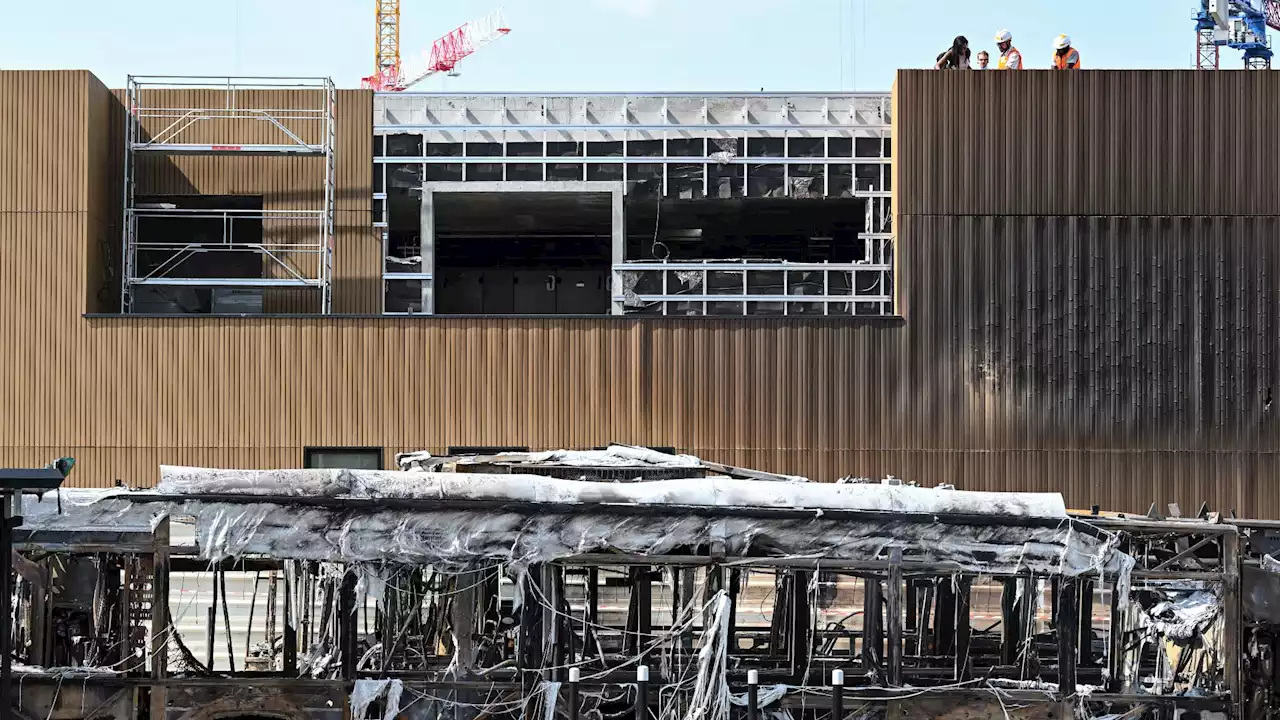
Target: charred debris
626,582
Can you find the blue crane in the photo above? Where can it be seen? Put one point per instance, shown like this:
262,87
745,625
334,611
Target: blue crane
1237,24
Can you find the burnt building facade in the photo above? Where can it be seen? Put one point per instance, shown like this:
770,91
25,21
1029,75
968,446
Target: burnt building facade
1074,294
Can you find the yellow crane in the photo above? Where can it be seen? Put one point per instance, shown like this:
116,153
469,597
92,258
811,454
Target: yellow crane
387,61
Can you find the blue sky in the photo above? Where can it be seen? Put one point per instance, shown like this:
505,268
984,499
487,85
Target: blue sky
564,45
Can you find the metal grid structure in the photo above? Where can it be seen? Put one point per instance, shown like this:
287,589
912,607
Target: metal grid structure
895,630
674,146
295,245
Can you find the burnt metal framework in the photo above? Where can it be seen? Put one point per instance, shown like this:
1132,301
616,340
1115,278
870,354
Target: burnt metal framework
660,145
896,633
171,116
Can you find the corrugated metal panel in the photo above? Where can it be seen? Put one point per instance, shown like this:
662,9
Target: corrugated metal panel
1087,143
357,265
355,151
104,192
42,140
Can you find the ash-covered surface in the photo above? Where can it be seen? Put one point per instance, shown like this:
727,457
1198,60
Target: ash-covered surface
717,492
525,519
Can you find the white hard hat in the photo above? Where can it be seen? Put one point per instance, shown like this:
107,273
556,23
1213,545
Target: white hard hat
1063,42
1004,36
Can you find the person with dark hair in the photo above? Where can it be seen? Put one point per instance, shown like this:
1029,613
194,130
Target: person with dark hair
955,58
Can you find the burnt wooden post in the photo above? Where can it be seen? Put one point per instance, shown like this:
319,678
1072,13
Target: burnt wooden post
643,592
872,637
159,699
1084,630
799,641
346,623
893,616
912,602
1027,620
1066,624
290,622
211,627
944,618
964,631
1232,640
593,606
1010,630
1116,643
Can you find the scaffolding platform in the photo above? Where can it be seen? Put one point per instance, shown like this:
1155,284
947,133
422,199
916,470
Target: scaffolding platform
188,241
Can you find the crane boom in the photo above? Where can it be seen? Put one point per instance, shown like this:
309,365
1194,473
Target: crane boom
444,55
458,45
1273,14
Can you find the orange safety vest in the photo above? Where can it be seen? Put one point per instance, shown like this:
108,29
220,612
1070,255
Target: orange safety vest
1070,61
1008,57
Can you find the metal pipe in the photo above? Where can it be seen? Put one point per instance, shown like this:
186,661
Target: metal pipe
642,692
575,675
837,694
6,608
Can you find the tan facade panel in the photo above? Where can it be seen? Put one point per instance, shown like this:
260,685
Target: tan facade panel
357,265
43,132
355,151
1087,143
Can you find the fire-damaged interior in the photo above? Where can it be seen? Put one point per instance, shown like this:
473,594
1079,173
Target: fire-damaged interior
626,583
509,253
748,256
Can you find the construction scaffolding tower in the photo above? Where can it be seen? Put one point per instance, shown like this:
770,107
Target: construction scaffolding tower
245,240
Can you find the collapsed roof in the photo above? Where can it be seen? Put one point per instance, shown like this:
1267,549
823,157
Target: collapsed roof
457,521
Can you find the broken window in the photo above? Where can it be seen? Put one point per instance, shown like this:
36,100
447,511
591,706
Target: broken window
514,253
768,256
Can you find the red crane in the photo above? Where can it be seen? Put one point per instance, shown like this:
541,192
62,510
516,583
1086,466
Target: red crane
444,56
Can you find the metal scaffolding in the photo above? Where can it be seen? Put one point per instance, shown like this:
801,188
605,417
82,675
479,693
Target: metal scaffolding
290,246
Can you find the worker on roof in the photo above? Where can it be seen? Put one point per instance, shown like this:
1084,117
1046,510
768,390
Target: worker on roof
1065,57
984,59
955,58
1010,58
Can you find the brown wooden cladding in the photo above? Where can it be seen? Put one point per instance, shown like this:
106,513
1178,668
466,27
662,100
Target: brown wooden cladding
43,132
1087,143
1122,361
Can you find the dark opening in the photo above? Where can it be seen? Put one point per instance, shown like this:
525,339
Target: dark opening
342,458
522,253
228,257
404,218
794,229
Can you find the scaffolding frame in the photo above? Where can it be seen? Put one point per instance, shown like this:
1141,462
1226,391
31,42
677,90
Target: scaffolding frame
303,257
